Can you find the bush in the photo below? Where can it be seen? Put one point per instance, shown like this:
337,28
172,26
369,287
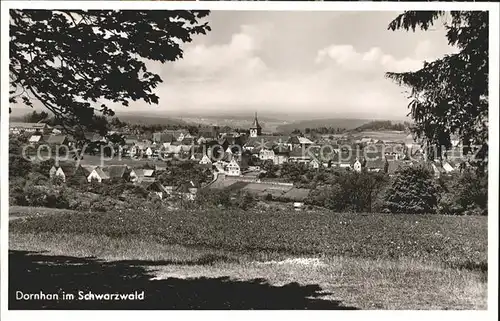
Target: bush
104,204
412,191
465,194
212,198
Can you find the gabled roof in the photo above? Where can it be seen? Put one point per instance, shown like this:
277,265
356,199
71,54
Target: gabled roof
57,139
101,173
115,171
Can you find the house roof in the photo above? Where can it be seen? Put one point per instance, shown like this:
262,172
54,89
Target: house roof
35,138
148,172
101,173
57,139
115,171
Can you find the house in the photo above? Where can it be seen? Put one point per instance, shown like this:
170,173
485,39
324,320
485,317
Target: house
163,138
375,161
357,166
117,172
139,174
299,155
265,154
342,160
187,190
281,154
447,167
298,141
233,168
437,169
131,140
98,175
154,187
314,163
63,171
205,160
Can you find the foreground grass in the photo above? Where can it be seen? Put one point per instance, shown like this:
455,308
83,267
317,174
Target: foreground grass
455,242
366,283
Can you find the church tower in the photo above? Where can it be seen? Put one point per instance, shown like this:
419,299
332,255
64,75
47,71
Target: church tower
255,130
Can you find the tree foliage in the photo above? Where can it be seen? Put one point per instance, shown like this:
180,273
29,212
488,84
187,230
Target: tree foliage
76,62
412,192
450,95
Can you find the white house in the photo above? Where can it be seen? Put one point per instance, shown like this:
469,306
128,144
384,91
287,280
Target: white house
98,175
57,172
205,160
265,154
357,166
148,152
447,167
233,169
314,163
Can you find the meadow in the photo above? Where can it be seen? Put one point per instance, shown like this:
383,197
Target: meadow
370,260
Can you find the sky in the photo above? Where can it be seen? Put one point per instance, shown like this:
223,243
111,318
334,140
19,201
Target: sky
329,63
317,64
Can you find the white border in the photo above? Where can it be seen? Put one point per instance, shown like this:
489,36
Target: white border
491,313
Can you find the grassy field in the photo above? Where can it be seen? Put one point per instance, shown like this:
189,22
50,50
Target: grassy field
385,135
352,261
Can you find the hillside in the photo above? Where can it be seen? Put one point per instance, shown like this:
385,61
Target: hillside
316,123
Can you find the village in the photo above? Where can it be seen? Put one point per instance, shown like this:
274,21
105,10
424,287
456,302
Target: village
237,161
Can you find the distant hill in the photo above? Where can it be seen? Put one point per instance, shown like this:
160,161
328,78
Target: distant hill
382,125
152,120
348,124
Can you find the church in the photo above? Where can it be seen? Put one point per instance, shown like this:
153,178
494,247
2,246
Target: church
255,129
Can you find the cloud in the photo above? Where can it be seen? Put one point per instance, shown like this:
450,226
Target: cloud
375,59
336,79
234,59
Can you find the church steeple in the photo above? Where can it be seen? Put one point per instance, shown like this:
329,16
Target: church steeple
255,129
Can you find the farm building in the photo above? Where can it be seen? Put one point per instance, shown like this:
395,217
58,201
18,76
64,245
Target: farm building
19,127
154,187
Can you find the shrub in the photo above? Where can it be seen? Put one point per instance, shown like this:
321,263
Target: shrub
465,194
412,191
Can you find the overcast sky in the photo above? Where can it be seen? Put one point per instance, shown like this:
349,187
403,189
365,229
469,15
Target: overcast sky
331,62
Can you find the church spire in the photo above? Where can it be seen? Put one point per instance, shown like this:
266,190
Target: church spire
255,129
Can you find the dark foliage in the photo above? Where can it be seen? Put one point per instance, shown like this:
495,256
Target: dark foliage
412,191
75,61
450,95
